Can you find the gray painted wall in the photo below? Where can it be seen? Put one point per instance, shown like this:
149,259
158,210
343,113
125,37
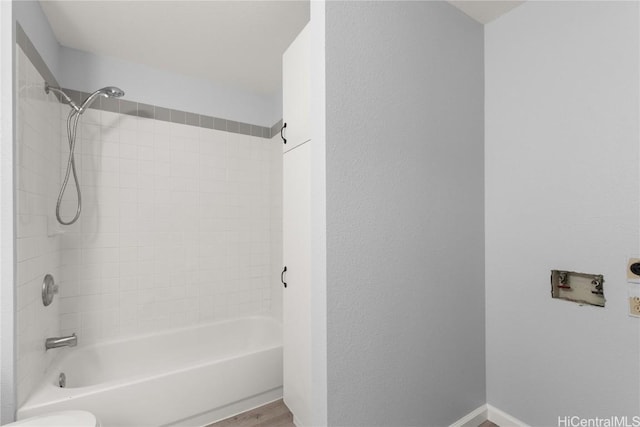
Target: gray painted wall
562,193
405,214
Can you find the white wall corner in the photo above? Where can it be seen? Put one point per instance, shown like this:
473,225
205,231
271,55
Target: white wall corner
473,418
503,419
319,411
7,291
491,413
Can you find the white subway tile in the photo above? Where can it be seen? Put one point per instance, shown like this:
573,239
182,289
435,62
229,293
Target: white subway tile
110,120
129,123
70,321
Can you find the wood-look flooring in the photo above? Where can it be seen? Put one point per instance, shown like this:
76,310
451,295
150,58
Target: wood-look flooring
274,414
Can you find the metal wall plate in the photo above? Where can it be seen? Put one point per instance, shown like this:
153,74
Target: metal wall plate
49,289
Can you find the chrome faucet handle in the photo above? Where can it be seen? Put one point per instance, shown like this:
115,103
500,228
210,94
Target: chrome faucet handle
49,289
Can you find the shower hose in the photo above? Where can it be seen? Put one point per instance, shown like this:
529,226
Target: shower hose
72,128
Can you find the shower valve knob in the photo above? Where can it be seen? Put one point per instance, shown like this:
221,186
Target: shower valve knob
49,289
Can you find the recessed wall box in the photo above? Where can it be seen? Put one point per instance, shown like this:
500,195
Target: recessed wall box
578,287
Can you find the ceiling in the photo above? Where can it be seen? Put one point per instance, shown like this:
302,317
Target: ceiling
233,43
485,11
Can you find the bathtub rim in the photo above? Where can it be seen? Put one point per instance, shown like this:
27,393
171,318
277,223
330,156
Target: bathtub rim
135,337
44,392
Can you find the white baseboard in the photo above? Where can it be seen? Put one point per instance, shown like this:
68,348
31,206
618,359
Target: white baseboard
491,413
473,418
503,419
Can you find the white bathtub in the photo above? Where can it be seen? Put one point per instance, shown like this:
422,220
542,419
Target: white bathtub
186,377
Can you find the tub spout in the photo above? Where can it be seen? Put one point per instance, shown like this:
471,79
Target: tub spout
70,341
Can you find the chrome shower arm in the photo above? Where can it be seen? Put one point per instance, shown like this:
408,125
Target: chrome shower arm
48,88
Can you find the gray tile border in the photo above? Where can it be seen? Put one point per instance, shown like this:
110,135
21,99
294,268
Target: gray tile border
256,130
275,129
232,126
206,122
219,124
128,107
163,114
244,128
109,104
146,111
125,106
178,116
193,119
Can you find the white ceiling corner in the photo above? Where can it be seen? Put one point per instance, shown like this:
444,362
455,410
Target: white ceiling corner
485,11
232,43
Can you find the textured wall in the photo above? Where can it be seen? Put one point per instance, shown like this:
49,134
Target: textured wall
405,250
561,193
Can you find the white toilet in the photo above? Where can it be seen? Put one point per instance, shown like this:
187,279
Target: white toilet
59,419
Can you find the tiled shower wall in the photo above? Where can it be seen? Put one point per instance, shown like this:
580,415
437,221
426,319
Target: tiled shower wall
180,225
176,227
38,169
275,210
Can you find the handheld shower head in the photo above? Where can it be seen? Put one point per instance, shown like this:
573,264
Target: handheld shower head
72,128
112,91
107,92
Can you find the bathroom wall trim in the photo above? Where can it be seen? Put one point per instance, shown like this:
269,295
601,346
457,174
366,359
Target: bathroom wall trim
491,413
501,418
473,418
133,108
8,291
